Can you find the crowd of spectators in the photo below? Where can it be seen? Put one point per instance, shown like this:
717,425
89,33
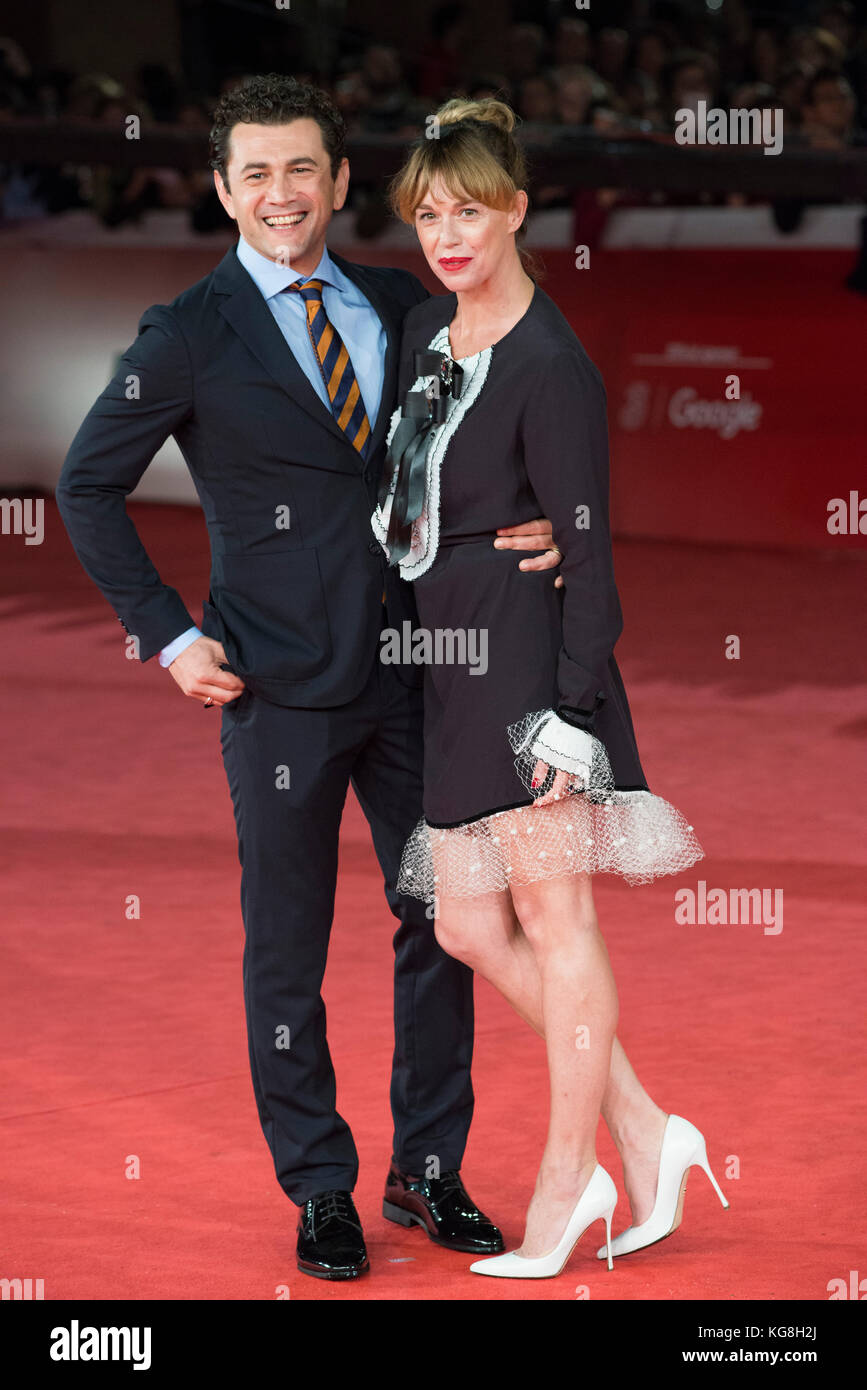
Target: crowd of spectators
575,74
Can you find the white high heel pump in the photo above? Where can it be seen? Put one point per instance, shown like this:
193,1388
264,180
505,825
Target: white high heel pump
596,1202
682,1146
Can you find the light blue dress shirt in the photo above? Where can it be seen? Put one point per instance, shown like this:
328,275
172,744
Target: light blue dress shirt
353,316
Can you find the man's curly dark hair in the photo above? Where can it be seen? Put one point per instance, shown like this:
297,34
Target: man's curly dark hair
274,99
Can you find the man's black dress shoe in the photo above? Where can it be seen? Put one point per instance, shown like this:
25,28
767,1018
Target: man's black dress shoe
330,1238
443,1208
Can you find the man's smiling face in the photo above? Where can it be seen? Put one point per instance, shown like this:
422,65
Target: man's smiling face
280,191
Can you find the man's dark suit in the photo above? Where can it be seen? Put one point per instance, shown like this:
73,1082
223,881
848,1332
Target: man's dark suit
298,609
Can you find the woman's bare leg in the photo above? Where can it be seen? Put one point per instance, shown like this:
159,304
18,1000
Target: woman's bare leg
486,934
579,1017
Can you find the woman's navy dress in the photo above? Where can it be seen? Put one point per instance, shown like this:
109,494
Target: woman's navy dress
526,437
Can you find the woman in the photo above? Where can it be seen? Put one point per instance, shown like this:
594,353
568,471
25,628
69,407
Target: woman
532,775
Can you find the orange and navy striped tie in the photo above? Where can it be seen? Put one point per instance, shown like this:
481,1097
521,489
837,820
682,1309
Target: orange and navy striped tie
336,366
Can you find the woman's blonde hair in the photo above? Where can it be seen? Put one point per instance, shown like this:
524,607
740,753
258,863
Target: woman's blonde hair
471,148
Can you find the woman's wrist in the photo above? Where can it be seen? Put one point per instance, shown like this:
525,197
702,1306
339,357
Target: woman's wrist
580,718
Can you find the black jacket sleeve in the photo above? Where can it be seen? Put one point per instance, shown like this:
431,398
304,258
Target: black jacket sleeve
148,398
565,443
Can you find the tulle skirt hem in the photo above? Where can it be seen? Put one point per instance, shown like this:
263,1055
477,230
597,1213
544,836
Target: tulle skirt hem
634,834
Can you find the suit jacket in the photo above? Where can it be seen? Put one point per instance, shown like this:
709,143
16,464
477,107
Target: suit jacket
296,574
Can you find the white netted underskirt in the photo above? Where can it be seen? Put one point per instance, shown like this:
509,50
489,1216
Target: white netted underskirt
595,830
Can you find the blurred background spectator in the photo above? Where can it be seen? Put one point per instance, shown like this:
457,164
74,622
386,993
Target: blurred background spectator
629,70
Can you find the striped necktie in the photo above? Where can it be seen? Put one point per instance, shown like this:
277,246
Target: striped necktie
338,373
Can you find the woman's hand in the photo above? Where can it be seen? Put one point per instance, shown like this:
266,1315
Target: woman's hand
532,535
560,786
573,749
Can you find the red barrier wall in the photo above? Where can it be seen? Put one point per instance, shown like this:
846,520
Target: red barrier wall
666,328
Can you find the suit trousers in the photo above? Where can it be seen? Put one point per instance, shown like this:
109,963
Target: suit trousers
289,770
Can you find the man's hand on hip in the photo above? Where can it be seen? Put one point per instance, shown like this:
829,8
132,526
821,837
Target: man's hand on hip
197,671
532,535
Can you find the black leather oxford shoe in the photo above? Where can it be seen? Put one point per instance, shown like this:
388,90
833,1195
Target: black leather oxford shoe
443,1208
330,1238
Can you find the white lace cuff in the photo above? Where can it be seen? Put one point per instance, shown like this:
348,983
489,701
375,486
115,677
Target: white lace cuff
564,746
545,737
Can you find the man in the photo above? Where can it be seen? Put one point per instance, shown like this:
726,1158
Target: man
277,376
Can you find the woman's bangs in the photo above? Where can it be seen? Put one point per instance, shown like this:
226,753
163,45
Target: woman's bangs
465,179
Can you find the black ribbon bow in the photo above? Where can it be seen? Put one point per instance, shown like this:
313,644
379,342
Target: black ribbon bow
407,452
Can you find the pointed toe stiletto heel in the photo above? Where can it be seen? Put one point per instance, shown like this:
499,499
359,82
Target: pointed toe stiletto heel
682,1146
597,1202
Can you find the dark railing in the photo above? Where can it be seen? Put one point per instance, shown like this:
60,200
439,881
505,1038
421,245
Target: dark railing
577,157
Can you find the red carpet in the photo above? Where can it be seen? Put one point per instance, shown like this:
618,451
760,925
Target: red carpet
125,1036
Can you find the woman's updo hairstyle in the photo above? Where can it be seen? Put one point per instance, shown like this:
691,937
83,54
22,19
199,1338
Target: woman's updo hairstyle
469,145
